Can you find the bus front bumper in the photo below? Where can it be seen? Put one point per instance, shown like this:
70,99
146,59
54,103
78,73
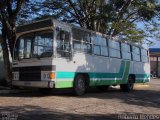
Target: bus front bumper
35,84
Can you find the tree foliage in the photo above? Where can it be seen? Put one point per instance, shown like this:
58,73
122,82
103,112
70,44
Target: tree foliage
9,10
112,17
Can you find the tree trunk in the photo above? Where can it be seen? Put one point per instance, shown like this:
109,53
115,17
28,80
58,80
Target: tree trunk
7,63
11,42
12,37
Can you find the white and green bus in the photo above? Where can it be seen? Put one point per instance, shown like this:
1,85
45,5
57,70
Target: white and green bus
51,54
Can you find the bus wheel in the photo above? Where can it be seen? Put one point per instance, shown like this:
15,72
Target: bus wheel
129,86
103,87
79,85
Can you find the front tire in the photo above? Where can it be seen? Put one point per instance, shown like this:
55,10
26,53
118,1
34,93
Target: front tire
129,86
80,85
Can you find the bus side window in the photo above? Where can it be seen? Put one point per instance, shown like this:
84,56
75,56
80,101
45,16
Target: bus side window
144,55
100,45
136,53
86,42
126,51
114,49
63,38
97,50
63,43
77,38
81,40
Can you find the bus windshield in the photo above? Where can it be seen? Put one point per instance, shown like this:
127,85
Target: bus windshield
34,45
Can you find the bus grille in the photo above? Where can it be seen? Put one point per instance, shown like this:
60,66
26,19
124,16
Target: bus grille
30,73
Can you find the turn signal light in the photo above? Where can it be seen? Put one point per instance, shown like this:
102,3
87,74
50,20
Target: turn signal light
52,75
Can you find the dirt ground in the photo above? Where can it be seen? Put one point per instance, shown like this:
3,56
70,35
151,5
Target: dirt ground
62,105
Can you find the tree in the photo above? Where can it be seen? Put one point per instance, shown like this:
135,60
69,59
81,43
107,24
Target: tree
9,10
112,17
29,12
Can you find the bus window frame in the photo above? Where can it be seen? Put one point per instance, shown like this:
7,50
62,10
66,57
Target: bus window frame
27,34
100,45
130,51
115,49
57,55
82,41
33,34
142,55
133,53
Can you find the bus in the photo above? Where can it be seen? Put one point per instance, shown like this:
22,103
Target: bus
50,54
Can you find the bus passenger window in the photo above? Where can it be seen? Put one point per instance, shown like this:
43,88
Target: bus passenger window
100,45
97,50
81,40
77,34
136,53
77,45
63,43
104,51
114,49
86,47
126,51
144,55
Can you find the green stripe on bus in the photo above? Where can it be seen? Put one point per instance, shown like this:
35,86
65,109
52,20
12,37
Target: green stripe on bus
71,75
69,83
65,79
142,80
105,82
64,84
142,75
60,75
126,72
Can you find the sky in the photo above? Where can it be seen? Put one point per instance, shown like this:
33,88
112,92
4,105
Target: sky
156,45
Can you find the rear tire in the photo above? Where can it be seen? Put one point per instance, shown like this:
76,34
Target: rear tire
79,85
129,86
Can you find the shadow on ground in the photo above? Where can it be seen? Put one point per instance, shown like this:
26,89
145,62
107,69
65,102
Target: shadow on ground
146,98
38,113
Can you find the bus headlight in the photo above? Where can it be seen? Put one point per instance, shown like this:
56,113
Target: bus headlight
48,75
15,75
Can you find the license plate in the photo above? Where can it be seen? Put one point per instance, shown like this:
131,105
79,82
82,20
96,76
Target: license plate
27,83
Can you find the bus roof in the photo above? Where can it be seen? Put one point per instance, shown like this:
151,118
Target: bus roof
49,22
34,25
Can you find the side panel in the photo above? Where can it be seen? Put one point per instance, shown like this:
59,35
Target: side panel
141,71
101,70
